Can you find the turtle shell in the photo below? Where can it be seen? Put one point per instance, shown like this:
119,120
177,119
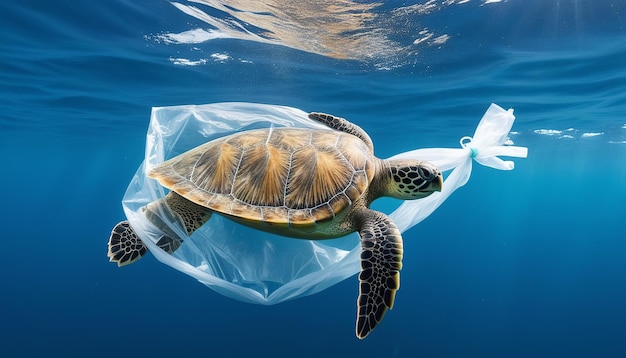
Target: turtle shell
288,176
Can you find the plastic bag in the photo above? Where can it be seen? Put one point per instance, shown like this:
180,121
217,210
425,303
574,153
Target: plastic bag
259,267
485,146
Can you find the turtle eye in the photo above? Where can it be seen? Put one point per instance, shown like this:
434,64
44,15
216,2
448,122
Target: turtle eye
425,173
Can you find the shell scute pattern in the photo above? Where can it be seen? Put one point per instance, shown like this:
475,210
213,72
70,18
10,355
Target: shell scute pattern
278,176
262,176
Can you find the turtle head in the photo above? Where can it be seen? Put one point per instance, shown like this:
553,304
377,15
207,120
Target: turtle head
413,179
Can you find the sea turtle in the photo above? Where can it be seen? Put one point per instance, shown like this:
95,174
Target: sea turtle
297,182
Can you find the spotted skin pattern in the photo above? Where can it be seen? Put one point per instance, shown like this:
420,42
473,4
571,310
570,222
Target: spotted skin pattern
124,245
342,125
381,261
192,215
411,180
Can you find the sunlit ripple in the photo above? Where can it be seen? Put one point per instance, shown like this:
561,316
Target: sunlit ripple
343,29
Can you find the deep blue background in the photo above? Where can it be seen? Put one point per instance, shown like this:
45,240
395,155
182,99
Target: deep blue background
527,263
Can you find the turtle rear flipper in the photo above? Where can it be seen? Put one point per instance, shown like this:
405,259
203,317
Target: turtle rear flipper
169,244
125,247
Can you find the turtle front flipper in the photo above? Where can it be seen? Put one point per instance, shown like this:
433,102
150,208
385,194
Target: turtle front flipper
125,247
381,261
343,125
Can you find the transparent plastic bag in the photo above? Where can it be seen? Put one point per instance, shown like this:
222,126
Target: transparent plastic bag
259,267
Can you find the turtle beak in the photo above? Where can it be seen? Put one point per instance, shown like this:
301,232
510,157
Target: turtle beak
437,183
433,176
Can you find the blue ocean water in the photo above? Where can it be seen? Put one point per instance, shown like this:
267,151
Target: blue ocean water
526,263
